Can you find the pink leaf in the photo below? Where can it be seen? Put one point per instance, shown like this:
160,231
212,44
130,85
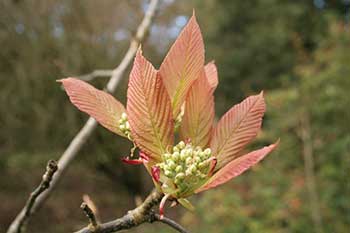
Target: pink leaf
212,75
98,104
197,121
183,64
149,109
237,167
237,128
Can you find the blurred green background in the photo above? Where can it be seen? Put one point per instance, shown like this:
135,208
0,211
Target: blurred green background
297,51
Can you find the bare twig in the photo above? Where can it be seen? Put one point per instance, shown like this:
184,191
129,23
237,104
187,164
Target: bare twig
171,223
23,217
135,217
90,214
95,74
89,127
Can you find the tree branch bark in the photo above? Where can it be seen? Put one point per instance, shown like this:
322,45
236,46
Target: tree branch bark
135,217
80,139
22,219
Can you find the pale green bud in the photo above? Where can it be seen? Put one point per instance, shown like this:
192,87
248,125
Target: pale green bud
188,152
202,155
188,160
167,173
175,149
180,176
178,169
202,165
127,125
193,168
181,145
183,155
124,117
197,159
122,127
207,151
171,164
167,156
176,156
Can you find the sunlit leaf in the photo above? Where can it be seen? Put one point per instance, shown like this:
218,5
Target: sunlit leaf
199,113
183,64
98,104
149,109
212,75
237,128
237,167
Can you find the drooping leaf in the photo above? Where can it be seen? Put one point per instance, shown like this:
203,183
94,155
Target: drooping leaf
197,121
237,128
98,104
212,75
237,167
183,64
149,109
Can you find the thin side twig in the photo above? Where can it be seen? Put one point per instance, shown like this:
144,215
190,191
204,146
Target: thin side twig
95,74
135,217
80,139
90,214
171,223
28,210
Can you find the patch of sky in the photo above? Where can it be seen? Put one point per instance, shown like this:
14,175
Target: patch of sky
121,34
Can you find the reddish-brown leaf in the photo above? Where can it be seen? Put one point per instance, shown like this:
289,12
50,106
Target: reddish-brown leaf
237,167
98,104
197,121
149,109
237,128
183,64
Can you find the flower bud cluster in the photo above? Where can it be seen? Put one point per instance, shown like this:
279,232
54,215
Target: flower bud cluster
186,165
124,125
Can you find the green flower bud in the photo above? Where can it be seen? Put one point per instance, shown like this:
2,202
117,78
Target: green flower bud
122,127
124,117
181,145
188,160
180,176
168,173
197,159
127,125
207,151
171,164
183,155
167,156
178,169
175,149
193,168
176,156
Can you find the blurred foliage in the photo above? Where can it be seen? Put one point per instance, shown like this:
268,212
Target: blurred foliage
298,51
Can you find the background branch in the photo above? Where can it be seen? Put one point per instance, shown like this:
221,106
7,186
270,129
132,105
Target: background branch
90,126
23,217
135,217
95,74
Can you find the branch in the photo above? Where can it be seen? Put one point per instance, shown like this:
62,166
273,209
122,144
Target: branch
80,139
95,74
171,223
90,214
135,217
23,217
